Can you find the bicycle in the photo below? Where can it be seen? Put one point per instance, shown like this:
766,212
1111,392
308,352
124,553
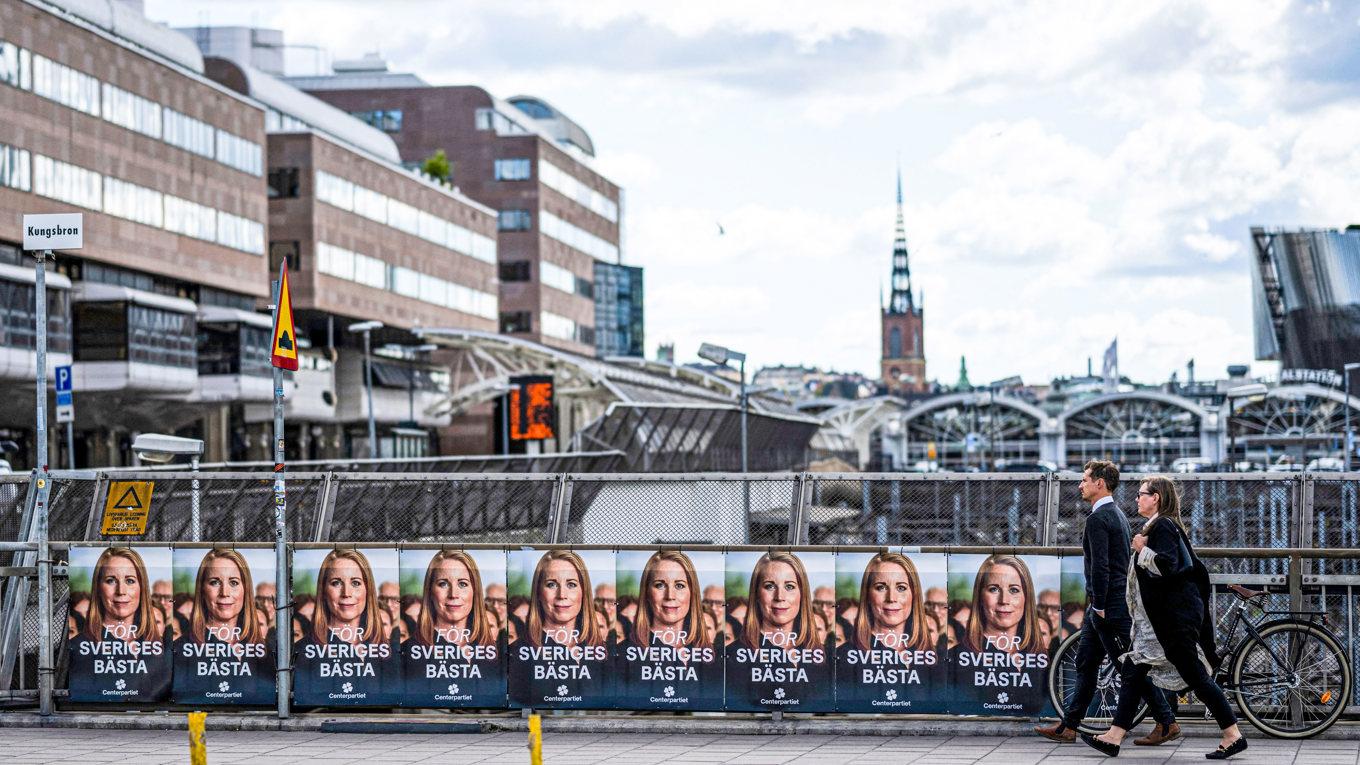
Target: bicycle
1289,674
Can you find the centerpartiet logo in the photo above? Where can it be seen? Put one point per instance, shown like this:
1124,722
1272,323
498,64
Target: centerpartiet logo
779,693
670,691
120,685
891,694
561,690
347,688
1003,697
453,689
224,686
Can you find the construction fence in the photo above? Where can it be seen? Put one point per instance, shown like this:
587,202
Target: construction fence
1248,512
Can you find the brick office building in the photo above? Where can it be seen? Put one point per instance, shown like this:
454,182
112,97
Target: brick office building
558,216
110,115
366,239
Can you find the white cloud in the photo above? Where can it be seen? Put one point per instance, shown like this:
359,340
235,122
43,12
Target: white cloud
1074,172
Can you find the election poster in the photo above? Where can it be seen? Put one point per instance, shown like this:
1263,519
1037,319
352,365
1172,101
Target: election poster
121,611
562,656
672,627
452,613
892,641
783,654
347,646
223,636
1071,597
999,664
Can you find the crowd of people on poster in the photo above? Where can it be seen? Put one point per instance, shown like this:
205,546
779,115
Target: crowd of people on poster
683,630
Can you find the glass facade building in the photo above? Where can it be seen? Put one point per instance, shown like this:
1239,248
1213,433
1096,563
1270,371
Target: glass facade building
1306,297
618,310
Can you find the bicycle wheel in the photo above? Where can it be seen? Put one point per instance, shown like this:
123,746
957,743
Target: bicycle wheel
1294,681
1062,685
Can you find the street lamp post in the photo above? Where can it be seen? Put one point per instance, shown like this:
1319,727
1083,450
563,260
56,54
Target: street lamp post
367,328
720,355
409,353
1346,438
159,448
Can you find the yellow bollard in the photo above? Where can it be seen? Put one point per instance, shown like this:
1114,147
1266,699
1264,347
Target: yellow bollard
535,740
198,748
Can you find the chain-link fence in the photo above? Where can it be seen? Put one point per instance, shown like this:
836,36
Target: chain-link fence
724,510
1226,510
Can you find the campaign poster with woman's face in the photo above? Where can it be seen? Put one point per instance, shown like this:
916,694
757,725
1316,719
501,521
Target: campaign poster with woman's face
1072,596
224,646
120,649
562,656
1000,663
782,654
672,636
894,636
454,652
346,645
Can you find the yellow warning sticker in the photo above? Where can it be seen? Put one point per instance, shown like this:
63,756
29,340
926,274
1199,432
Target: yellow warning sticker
127,508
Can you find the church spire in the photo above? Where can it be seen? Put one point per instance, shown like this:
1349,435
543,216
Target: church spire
901,302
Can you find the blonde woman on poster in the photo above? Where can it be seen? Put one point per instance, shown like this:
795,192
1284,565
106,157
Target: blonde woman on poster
225,656
891,660
777,661
123,654
672,658
563,658
347,657
455,654
1001,661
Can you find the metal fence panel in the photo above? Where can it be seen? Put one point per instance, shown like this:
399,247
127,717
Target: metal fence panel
385,508
1219,511
232,507
845,509
670,510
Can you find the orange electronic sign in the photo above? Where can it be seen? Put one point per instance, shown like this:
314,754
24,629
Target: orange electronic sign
531,409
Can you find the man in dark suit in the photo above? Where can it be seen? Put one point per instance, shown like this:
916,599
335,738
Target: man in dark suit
1106,627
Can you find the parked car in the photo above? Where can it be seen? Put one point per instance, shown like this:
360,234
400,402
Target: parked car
1326,465
1190,465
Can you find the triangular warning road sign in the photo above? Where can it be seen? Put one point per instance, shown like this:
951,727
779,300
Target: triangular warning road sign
284,355
129,500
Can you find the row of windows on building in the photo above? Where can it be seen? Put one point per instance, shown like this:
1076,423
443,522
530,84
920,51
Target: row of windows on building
487,118
386,120
552,325
550,274
65,182
577,238
554,177
379,274
82,92
375,206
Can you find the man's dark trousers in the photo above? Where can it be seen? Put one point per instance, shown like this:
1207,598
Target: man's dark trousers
1105,543
1101,638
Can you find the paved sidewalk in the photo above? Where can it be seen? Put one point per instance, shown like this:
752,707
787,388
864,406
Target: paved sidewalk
83,747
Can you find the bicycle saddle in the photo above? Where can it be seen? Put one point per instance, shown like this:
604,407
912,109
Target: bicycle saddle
1244,593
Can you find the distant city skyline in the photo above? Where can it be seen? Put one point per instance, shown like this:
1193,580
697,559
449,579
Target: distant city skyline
1068,178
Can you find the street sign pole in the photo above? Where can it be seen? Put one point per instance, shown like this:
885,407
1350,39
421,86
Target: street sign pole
42,235
283,355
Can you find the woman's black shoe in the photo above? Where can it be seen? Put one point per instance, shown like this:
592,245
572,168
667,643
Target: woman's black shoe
1104,747
1223,753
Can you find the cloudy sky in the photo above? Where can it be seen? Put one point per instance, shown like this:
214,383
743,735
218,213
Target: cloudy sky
1073,172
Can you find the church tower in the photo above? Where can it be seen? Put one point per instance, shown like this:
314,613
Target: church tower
904,354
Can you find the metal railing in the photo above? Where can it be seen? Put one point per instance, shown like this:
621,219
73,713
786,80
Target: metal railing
1298,534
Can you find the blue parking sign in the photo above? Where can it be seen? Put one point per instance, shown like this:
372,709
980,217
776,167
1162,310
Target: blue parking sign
65,406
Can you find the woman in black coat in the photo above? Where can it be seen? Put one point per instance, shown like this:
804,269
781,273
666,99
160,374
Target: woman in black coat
1173,631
